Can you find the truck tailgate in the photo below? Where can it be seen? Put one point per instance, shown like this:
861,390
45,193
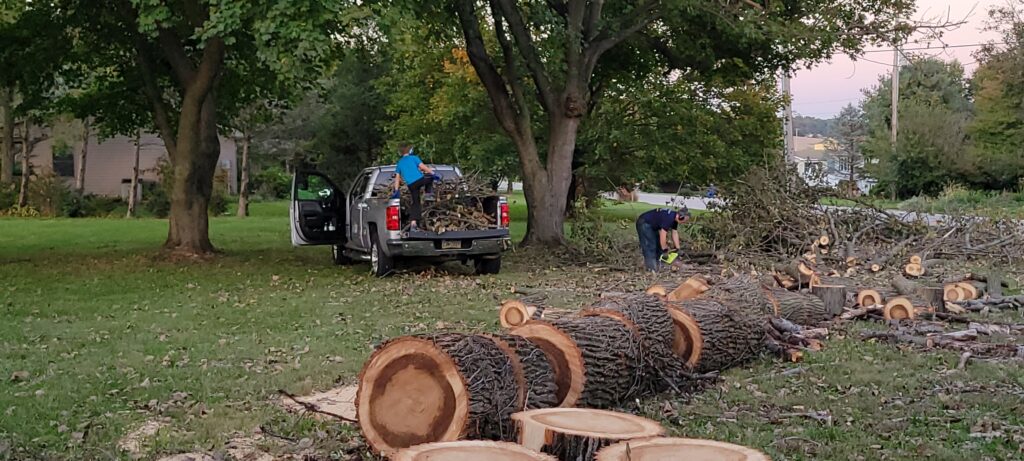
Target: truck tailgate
459,235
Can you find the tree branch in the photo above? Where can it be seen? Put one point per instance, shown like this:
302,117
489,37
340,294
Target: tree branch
529,52
524,122
591,27
152,89
174,51
484,66
574,45
640,18
558,6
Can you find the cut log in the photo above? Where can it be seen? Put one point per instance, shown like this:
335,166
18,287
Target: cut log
915,259
657,290
470,450
899,308
905,287
678,449
833,296
691,288
824,240
614,369
801,308
731,335
656,330
565,358
516,313
438,388
578,433
800,271
541,390
953,293
934,297
913,270
970,290
688,343
869,297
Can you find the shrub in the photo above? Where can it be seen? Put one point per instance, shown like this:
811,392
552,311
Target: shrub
88,206
271,183
20,212
8,196
49,194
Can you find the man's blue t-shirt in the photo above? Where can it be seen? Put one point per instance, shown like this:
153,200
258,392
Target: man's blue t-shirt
408,168
661,219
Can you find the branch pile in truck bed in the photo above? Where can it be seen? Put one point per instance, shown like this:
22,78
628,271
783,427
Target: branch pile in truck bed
457,205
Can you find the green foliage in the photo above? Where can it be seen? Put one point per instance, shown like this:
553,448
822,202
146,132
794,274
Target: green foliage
49,194
17,211
8,195
813,126
934,112
93,206
272,182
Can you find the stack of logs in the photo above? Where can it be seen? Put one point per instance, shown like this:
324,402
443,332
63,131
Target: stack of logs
450,386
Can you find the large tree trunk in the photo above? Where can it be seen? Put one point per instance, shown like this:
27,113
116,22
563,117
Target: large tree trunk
133,193
6,136
243,188
83,156
546,188
26,141
194,164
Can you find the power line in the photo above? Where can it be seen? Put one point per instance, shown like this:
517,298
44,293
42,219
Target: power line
944,47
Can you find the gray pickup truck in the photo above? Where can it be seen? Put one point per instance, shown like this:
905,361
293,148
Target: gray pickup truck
366,224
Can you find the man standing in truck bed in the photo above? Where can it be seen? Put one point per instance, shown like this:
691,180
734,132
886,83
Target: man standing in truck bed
417,176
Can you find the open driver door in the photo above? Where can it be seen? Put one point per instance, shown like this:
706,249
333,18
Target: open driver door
317,210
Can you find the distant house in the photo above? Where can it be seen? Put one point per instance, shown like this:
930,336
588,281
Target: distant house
108,165
817,162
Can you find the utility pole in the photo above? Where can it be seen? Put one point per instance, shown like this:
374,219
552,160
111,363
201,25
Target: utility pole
895,94
787,123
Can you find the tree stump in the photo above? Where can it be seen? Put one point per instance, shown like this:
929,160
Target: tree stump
563,355
869,297
470,450
515,313
899,308
438,388
730,335
833,296
678,449
656,330
934,297
578,433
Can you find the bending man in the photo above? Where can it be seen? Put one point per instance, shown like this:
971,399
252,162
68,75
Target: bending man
652,229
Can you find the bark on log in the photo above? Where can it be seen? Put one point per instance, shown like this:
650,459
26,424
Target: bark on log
934,297
995,285
731,335
577,434
613,367
905,287
678,449
833,296
470,450
541,390
437,388
564,356
656,330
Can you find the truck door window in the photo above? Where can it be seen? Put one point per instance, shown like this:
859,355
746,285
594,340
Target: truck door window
315,188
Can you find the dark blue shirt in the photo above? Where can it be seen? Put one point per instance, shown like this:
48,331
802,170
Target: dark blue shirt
661,219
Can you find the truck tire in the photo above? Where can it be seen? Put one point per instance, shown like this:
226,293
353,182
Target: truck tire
485,266
381,264
339,257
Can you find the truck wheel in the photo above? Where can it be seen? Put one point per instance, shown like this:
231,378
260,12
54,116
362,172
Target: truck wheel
380,264
486,266
338,255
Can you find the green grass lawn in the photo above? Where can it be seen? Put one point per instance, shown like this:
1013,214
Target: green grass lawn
110,335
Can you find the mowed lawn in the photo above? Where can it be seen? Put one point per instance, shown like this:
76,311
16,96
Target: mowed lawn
98,334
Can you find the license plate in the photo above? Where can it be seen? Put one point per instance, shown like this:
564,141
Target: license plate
451,244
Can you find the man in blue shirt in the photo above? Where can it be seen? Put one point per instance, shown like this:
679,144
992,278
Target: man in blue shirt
653,227
417,175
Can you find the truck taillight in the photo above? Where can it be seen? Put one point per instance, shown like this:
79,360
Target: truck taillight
393,220
505,218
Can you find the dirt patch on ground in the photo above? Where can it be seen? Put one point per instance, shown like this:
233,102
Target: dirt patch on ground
134,443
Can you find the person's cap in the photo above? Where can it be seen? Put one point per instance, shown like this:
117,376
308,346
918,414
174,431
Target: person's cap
683,211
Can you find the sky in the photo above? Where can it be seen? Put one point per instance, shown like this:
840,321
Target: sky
824,90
